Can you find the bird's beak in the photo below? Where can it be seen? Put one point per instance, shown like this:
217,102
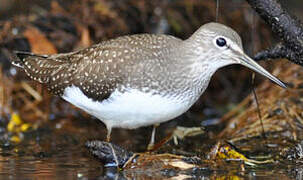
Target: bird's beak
245,60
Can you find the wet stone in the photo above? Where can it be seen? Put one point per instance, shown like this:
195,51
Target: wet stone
109,154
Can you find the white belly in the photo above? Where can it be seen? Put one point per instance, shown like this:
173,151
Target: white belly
131,109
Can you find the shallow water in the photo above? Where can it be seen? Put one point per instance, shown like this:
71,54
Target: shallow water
50,153
62,166
79,166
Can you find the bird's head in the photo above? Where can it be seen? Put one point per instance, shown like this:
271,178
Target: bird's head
222,46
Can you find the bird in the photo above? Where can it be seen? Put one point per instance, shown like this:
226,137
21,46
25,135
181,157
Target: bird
140,80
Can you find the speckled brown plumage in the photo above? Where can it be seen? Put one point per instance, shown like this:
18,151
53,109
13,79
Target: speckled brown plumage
98,70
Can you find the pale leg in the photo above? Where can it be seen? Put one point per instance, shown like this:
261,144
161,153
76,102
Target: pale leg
109,130
152,139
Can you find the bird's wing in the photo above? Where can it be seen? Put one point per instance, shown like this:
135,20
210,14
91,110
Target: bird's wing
96,70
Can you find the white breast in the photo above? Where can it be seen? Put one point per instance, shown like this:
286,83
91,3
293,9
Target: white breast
131,109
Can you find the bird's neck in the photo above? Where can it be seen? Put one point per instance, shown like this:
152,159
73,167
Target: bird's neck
191,74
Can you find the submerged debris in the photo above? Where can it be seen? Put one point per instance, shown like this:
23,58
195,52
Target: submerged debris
16,126
114,156
294,153
228,153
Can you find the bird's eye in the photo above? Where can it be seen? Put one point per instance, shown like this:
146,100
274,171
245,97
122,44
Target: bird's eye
221,42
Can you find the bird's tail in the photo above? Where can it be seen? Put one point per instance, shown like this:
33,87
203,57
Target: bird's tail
22,56
38,67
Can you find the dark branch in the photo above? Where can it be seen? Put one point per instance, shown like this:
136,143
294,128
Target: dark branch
286,26
278,51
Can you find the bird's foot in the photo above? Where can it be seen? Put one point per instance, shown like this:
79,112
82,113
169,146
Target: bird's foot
181,132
